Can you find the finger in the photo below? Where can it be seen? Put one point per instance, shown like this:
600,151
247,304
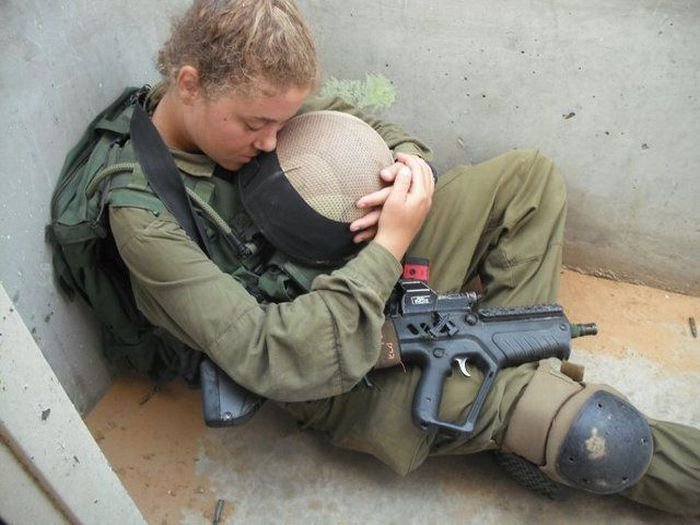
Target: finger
374,199
415,163
429,173
419,166
408,159
419,182
365,235
402,184
388,174
429,178
404,157
367,221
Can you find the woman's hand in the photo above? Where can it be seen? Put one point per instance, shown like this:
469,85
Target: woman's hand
414,167
406,206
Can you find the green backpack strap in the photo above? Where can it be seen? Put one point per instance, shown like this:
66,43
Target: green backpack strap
112,119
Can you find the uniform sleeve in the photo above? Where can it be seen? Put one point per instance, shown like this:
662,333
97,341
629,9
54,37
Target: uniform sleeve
317,346
397,139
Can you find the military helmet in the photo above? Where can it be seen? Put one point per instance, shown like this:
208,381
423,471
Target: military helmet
302,196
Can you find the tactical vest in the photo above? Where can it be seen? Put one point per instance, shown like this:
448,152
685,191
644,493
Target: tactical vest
102,171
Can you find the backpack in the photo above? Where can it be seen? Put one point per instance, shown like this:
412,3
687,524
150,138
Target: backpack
85,258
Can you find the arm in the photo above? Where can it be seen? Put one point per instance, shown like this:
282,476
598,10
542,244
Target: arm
319,345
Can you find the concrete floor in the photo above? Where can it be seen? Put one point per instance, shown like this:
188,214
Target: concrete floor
267,471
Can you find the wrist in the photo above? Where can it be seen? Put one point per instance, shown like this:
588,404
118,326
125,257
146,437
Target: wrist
390,243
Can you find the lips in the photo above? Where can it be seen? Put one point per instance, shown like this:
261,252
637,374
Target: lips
247,158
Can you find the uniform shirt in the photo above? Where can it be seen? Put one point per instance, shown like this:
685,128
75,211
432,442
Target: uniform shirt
316,346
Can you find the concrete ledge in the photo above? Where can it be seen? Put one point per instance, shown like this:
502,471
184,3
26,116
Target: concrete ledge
47,435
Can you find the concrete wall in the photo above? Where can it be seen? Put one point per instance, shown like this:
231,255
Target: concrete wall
607,89
60,63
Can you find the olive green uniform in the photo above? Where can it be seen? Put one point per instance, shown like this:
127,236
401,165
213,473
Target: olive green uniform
502,220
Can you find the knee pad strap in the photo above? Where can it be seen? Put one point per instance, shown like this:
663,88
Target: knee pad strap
532,418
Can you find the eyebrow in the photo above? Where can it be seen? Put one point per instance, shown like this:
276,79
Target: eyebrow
267,120
262,119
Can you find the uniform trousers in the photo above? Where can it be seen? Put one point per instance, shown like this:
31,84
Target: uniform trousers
503,221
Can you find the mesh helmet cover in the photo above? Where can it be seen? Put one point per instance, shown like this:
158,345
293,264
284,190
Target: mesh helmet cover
302,196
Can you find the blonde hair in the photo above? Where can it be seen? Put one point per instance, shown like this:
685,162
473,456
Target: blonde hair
246,46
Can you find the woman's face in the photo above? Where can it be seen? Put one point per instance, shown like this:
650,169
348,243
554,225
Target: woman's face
232,129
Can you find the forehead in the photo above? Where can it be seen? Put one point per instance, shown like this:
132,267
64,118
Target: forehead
260,105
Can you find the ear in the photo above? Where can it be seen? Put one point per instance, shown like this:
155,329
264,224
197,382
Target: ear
188,87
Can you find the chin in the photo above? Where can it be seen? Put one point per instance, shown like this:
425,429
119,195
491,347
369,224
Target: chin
235,165
231,166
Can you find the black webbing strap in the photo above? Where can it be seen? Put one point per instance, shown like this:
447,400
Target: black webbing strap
163,176
225,402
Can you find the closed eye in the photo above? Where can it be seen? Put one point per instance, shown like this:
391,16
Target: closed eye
251,127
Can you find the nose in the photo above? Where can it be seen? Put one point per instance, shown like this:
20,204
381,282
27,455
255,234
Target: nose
267,140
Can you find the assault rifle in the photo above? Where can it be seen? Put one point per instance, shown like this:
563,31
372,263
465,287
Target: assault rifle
435,331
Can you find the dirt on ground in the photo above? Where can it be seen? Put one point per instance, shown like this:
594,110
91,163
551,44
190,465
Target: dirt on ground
152,439
654,322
